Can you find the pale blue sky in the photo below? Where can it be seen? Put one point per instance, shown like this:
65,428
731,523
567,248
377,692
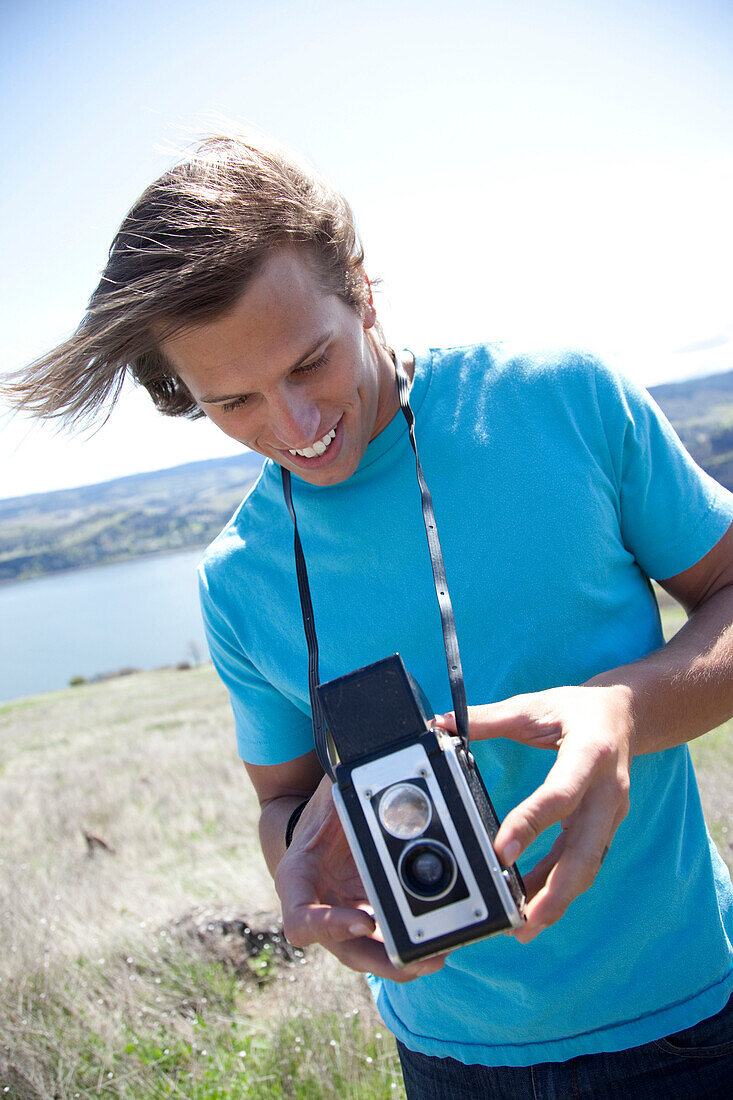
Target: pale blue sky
552,172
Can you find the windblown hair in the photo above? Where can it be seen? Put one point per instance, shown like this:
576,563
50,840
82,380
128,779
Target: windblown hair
183,255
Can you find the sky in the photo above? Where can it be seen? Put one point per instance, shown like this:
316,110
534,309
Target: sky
539,172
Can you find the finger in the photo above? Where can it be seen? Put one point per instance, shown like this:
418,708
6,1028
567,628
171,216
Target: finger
583,851
313,923
369,955
535,879
556,799
503,719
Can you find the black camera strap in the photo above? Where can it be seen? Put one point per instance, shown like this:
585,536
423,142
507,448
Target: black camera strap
320,730
321,737
450,638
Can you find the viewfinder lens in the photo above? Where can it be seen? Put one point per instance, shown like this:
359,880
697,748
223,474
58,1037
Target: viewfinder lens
405,811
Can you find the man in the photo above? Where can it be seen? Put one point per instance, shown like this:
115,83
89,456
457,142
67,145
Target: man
235,288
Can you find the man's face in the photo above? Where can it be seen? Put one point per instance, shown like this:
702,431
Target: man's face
291,369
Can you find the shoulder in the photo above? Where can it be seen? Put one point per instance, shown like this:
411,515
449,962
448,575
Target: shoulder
248,530
505,376
506,360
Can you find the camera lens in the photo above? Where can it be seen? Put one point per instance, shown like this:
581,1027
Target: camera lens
427,869
405,811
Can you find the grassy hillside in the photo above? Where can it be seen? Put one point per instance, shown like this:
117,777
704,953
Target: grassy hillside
166,510
156,969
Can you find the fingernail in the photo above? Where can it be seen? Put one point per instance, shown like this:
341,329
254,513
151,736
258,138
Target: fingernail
511,851
359,930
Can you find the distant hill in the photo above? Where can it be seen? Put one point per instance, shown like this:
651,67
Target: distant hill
165,510
186,506
701,410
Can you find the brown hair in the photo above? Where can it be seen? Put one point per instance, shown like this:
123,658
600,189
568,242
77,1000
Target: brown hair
183,255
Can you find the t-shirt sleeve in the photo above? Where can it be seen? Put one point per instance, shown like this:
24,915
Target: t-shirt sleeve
270,728
671,511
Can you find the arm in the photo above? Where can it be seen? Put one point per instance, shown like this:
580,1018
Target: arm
686,688
280,788
665,699
316,879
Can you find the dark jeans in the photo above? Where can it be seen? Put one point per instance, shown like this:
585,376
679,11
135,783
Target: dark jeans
695,1064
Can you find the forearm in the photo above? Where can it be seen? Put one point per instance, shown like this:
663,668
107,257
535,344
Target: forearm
280,789
273,823
684,689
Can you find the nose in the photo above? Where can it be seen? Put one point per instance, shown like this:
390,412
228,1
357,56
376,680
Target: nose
294,418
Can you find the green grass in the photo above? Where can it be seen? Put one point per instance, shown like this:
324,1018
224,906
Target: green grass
177,1023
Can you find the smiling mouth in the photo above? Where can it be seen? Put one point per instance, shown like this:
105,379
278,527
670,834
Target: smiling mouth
319,447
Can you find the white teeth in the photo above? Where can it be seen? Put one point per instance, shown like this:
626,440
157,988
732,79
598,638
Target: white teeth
318,448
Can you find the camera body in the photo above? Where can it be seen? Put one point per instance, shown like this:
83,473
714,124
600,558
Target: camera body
417,816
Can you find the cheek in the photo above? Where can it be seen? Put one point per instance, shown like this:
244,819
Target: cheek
244,430
230,424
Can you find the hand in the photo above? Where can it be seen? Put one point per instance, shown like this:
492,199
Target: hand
587,788
323,897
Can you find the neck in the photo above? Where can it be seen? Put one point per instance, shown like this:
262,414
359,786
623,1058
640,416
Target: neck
389,402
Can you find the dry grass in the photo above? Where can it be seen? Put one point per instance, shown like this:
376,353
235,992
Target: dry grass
147,764
97,971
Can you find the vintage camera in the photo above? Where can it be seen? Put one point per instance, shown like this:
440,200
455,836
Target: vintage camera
417,817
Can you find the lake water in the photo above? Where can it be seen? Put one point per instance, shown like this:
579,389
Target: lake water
135,614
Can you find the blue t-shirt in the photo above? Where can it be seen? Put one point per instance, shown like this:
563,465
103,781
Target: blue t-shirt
559,489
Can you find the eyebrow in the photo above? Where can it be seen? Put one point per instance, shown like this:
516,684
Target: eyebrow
210,399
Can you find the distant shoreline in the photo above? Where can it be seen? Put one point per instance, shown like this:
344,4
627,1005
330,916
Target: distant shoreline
162,553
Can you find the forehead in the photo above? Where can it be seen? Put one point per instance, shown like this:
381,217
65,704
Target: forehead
282,311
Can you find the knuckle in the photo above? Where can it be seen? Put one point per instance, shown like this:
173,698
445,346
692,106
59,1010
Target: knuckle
622,798
555,805
527,829
623,781
535,816
604,753
588,875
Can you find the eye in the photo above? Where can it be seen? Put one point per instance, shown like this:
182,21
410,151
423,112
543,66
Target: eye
230,406
315,365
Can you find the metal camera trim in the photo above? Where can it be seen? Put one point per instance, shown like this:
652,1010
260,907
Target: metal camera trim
434,844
